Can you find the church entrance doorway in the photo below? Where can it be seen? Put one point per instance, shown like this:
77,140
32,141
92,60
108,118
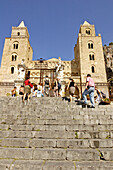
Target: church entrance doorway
39,71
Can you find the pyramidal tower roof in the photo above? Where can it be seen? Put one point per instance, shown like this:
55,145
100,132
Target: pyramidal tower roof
86,23
22,24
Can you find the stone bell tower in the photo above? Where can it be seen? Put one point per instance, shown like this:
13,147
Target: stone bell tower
89,56
17,48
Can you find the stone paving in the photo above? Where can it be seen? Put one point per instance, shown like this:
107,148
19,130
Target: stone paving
51,134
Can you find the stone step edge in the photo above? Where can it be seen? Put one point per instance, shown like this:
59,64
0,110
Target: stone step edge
57,154
13,161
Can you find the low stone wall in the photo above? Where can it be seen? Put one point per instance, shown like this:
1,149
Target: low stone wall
5,88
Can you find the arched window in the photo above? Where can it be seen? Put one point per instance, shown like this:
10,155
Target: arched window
18,33
14,57
90,45
93,69
88,32
15,45
12,70
91,57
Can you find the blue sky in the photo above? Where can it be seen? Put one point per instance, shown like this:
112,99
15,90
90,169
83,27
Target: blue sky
53,25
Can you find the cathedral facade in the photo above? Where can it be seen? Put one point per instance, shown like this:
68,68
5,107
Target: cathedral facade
88,59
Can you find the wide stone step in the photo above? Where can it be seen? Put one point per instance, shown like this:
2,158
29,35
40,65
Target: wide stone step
31,121
55,116
92,127
52,118
77,127
56,154
43,101
69,165
56,143
57,111
54,165
60,134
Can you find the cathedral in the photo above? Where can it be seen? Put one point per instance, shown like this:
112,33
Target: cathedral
17,61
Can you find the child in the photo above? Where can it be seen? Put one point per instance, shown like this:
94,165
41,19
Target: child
14,92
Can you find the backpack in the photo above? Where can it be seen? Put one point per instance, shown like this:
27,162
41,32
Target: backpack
47,82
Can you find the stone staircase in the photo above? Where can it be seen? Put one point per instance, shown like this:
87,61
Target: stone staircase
51,134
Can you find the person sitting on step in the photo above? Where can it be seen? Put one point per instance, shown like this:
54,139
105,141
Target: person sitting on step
14,92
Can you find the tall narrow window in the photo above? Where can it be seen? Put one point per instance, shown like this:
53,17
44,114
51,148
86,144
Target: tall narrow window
90,45
14,57
93,69
12,70
18,33
15,46
91,57
28,73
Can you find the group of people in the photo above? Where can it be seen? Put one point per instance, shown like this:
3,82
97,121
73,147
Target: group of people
43,89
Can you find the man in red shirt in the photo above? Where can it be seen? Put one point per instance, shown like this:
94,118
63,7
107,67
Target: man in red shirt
90,88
